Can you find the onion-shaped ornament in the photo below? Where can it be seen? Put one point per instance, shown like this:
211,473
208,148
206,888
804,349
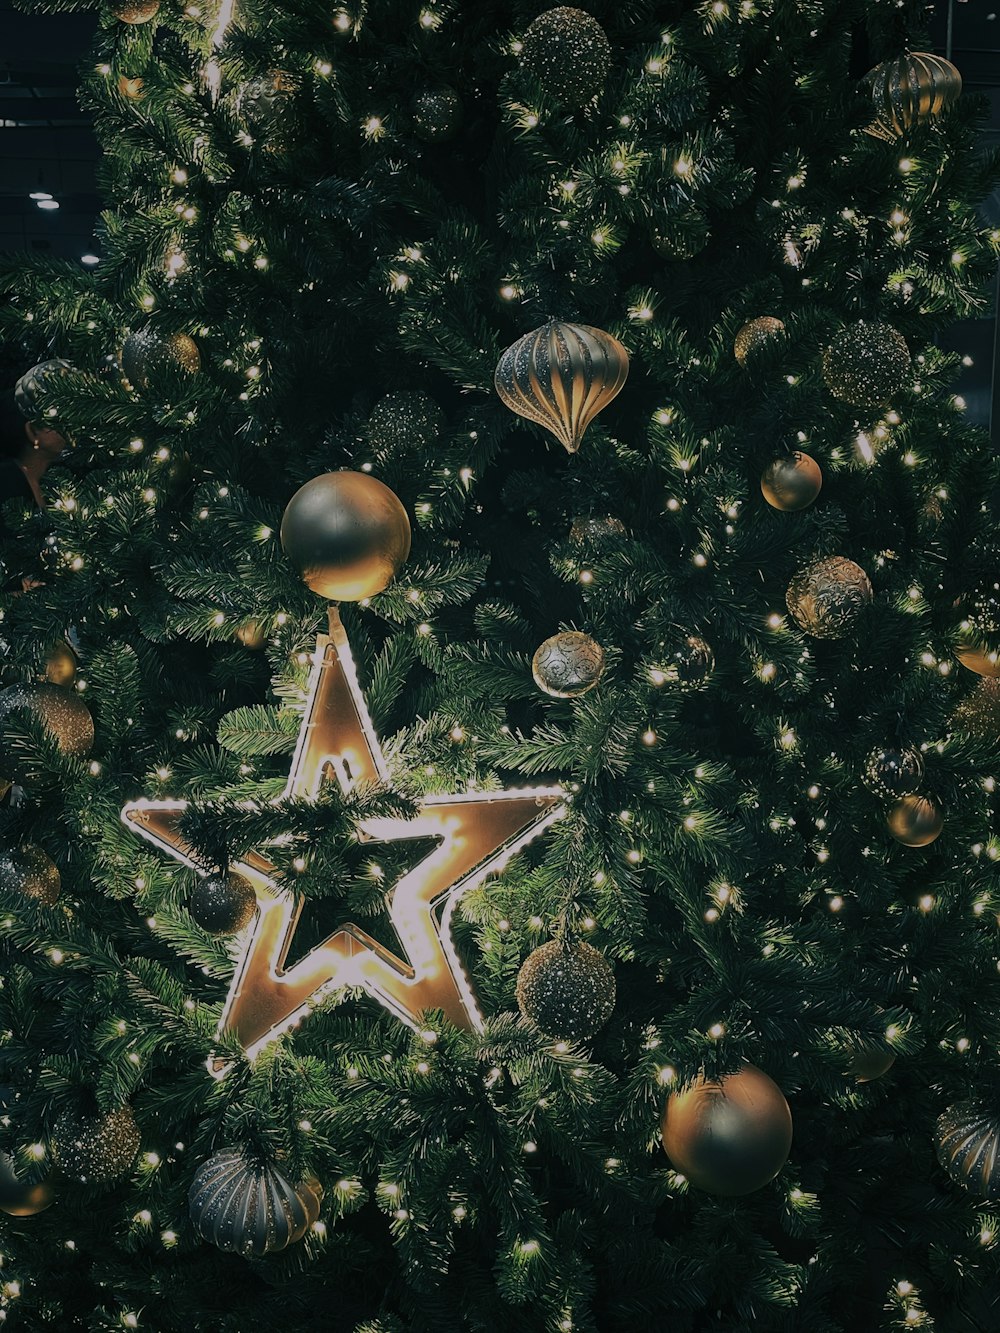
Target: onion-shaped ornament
968,1143
560,376
909,91
250,1208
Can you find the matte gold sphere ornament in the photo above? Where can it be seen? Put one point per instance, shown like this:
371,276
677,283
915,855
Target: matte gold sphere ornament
250,1208
914,821
223,904
147,351
60,664
910,90
867,364
347,534
568,664
729,1136
567,989
62,712
791,482
894,771
869,1063
567,51
36,382
755,335
826,597
134,11
968,1145
978,658
30,871
95,1147
252,635
561,376
22,1198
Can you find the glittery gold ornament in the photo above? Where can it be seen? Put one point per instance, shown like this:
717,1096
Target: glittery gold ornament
567,51
250,1208
894,770
60,664
223,904
30,871
968,1144
347,534
596,531
568,664
132,88
791,482
437,114
729,1136
755,335
134,11
867,364
148,351
408,421
37,382
62,712
914,821
22,1198
870,1062
567,989
910,90
267,103
95,1148
826,597
978,714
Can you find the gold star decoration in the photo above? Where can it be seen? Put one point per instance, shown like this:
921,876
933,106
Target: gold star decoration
474,835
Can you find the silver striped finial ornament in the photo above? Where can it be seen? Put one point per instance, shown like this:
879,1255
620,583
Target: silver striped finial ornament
250,1208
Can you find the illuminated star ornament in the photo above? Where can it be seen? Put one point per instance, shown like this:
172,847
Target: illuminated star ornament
474,835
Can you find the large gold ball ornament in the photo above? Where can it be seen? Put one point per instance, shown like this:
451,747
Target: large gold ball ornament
729,1136
978,714
567,51
148,351
60,664
914,821
791,482
826,597
568,664
567,989
94,1147
867,364
975,657
892,771
30,871
910,90
755,335
62,712
250,1208
134,11
968,1145
347,534
37,382
561,376
21,1198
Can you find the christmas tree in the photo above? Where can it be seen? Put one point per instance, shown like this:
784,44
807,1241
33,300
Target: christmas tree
501,705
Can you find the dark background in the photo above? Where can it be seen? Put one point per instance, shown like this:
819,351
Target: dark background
46,145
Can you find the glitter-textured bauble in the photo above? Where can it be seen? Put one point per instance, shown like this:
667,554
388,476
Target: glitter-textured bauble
914,821
866,364
729,1136
686,661
978,714
437,114
791,482
890,771
132,88
596,532
347,535
94,1147
755,335
561,376
148,351
267,103
62,712
30,871
406,422
567,989
980,627
60,664
968,1145
37,382
134,11
870,1062
568,53
826,597
568,664
680,237
223,904
910,90
252,635
250,1208
21,1198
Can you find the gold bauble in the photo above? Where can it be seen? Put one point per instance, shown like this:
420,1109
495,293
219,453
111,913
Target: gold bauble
978,714
870,1062
567,989
826,597
561,376
729,1136
147,350
568,664
791,482
867,364
909,91
94,1147
134,11
914,821
252,635
347,534
130,88
983,661
19,1198
60,664
62,712
968,1143
30,871
755,335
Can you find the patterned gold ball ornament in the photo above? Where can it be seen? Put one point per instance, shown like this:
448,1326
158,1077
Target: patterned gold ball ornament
60,664
792,482
148,351
94,1147
267,103
250,1208
134,11
30,871
37,382
347,534
894,771
561,376
867,364
568,664
223,904
437,114
910,90
755,335
62,712
869,1063
567,51
968,1145
826,597
978,714
567,989
914,821
729,1136
22,1198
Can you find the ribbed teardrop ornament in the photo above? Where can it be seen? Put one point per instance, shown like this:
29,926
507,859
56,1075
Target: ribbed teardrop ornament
968,1139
